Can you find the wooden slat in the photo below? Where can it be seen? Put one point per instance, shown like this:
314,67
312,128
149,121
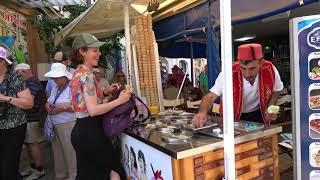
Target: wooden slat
214,172
18,8
186,168
276,170
211,156
176,169
246,162
263,163
250,175
243,170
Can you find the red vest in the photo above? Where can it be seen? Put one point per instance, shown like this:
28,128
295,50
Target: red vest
266,84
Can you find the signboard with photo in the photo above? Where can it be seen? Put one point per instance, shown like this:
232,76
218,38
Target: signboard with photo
143,162
305,55
13,33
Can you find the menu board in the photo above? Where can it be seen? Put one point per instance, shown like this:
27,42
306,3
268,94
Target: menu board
305,81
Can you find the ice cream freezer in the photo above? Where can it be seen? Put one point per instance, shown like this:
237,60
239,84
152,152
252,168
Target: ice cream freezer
198,155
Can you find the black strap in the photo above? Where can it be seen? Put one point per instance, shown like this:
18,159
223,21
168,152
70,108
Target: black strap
145,106
59,92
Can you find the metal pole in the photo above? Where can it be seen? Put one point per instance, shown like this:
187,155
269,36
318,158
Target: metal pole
88,3
228,119
128,40
191,62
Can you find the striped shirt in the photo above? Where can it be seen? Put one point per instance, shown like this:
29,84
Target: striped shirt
37,91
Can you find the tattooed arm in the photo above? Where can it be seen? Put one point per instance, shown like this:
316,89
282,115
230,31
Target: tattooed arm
201,118
90,97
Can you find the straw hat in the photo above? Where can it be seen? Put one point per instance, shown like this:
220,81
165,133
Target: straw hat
58,70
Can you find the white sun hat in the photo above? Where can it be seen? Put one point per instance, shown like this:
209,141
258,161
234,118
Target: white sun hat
58,70
4,55
22,66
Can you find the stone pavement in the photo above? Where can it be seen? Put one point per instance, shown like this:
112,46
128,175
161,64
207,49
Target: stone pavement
47,157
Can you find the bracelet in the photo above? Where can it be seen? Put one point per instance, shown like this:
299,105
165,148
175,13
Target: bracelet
10,100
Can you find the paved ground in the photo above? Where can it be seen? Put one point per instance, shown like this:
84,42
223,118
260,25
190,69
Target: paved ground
48,161
284,160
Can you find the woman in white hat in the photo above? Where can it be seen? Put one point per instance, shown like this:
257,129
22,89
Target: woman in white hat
14,96
96,157
63,118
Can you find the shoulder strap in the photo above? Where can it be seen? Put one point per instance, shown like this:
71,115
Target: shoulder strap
149,114
60,92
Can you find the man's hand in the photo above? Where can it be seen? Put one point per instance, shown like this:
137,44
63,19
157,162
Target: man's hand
271,116
200,119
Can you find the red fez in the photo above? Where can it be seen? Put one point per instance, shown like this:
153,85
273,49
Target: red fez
250,52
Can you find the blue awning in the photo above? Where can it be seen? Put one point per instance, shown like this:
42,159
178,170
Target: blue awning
197,27
177,31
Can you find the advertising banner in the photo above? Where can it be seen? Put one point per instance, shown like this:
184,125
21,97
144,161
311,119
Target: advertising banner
143,162
305,58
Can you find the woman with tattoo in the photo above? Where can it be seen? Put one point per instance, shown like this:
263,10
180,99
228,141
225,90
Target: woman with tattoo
95,154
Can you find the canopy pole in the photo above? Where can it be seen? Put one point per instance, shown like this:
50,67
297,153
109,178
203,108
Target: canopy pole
128,40
191,62
228,118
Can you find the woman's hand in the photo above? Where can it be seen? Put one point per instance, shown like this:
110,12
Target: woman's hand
4,98
124,97
112,89
54,109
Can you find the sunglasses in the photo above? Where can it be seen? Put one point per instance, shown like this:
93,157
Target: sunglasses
120,75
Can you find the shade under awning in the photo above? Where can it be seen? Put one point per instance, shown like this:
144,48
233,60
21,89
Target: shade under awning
103,19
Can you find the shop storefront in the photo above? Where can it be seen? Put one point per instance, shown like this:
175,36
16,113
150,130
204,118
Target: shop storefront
18,35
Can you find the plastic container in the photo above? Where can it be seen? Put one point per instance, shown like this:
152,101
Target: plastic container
154,110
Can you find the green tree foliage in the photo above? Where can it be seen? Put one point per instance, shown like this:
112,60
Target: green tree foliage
48,27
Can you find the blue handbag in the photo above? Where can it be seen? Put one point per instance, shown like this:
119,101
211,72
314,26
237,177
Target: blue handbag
48,129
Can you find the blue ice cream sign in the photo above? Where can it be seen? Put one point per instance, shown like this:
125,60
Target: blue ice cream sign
314,38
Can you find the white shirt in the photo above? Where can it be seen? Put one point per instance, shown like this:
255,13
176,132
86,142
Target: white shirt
251,101
63,99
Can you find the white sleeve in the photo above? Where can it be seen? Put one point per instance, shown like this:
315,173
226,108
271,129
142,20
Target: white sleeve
278,85
217,87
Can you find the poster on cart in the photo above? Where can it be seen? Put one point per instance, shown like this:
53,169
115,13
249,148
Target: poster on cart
305,81
142,162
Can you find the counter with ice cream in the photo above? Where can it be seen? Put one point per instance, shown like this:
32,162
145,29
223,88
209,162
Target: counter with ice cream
170,147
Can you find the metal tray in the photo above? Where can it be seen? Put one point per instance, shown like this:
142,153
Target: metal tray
215,132
248,126
193,128
165,130
183,136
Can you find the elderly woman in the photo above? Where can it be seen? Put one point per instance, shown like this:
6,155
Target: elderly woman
14,96
96,158
63,118
104,84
